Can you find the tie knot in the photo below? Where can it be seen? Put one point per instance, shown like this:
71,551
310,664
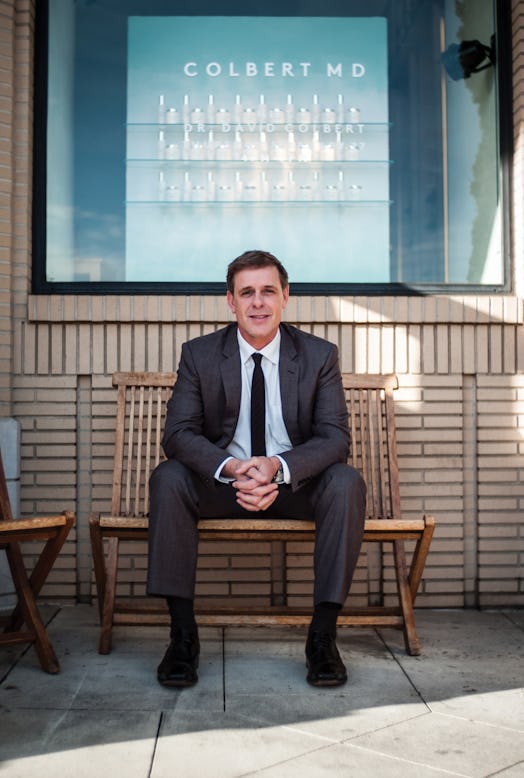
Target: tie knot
257,358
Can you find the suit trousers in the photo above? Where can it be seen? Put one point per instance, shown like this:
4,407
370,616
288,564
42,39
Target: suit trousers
335,500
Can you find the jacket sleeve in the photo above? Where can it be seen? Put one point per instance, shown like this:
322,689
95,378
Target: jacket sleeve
326,439
184,436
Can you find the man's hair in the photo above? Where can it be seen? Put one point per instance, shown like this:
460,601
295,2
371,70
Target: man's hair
255,259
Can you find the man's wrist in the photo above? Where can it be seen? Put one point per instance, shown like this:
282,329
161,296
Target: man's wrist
278,476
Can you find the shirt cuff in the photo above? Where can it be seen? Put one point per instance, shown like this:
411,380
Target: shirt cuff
285,469
219,469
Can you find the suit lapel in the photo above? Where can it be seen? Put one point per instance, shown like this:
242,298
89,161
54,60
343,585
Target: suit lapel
231,381
289,375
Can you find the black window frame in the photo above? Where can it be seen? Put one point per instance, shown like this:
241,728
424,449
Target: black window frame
41,286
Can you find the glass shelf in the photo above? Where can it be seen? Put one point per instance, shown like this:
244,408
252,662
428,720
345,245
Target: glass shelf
273,163
270,203
258,124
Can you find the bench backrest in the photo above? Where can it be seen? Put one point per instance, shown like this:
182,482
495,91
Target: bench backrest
141,407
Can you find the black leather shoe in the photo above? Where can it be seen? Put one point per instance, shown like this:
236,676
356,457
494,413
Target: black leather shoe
179,665
325,667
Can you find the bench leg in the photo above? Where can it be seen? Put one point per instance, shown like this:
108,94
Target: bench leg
406,602
108,607
419,556
97,550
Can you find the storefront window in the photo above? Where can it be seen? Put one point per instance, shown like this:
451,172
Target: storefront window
359,143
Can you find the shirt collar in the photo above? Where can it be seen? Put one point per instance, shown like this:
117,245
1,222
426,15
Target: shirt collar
271,351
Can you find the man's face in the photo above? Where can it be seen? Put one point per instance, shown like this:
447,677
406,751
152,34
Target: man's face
257,302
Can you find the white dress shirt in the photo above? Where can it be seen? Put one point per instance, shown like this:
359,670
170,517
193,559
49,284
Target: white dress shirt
277,439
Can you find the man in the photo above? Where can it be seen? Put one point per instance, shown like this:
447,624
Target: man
219,464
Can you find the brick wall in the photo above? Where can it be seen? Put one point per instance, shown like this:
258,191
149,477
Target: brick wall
460,404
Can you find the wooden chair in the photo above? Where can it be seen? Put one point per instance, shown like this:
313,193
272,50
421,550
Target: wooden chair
141,402
53,531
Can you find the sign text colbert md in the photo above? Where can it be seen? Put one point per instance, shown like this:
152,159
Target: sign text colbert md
268,69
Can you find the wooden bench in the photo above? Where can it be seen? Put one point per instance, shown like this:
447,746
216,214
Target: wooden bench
24,624
141,403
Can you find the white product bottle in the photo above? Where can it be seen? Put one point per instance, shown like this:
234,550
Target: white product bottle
161,185
290,110
210,109
354,114
173,193
198,194
210,186
186,148
263,147
316,109
291,147
328,116
173,151
249,115
291,186
237,149
237,113
223,150
262,109
303,116
264,187
328,152
315,146
172,116
355,192
277,115
340,109
198,149
186,111
198,115
161,109
222,116
304,152
161,145
210,145
187,186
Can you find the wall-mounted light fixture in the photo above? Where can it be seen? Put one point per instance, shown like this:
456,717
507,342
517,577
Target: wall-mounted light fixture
463,59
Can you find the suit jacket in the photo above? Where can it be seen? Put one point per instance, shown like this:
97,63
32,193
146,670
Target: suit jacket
203,411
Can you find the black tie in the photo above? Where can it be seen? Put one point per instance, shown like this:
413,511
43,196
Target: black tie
258,410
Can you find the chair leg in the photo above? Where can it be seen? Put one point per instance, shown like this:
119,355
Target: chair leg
104,646
29,611
43,566
406,603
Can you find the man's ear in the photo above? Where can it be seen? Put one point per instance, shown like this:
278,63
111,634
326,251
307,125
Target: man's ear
285,293
230,301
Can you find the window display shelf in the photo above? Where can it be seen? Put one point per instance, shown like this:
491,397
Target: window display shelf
266,203
263,165
261,123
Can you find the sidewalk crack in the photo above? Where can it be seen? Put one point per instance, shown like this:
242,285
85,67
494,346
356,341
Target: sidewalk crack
393,656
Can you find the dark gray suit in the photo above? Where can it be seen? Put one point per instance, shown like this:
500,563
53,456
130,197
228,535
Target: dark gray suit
201,420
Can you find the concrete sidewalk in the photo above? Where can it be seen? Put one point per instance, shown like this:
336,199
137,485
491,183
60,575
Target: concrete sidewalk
458,710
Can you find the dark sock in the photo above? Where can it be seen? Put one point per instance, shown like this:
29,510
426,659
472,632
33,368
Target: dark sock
182,614
325,617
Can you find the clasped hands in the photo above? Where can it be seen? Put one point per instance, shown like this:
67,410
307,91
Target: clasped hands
253,481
